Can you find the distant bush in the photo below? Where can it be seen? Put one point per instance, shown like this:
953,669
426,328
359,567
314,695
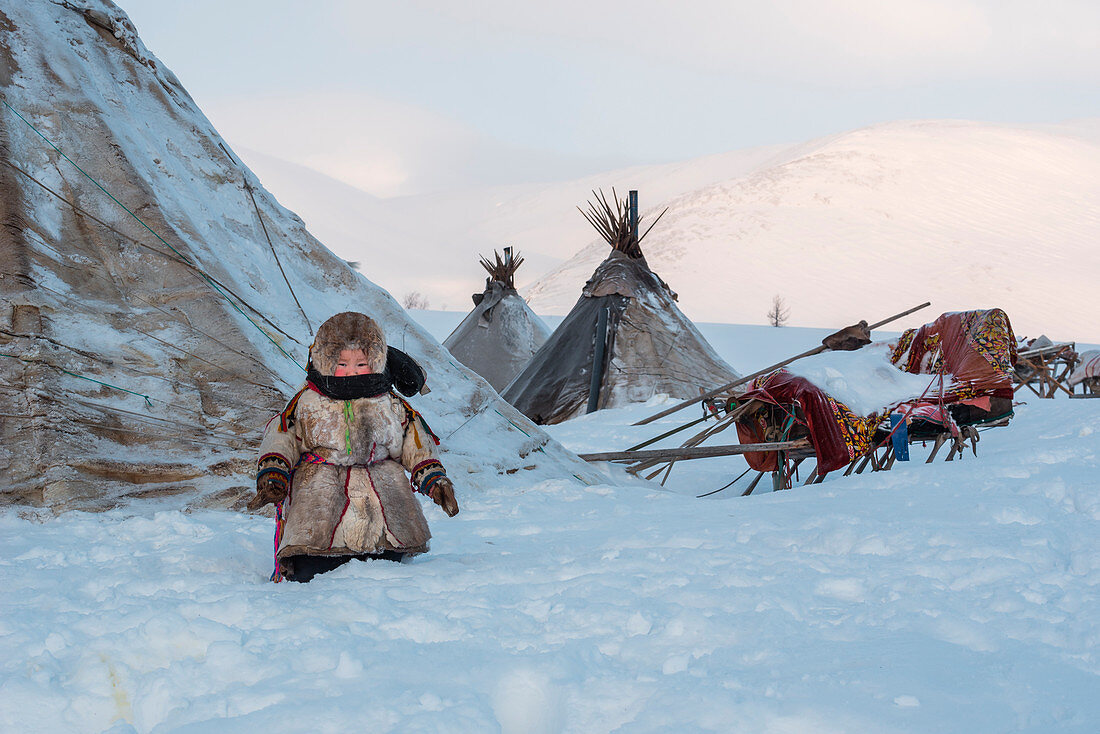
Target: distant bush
415,300
779,312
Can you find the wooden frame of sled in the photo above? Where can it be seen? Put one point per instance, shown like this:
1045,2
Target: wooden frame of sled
793,448
777,436
1046,370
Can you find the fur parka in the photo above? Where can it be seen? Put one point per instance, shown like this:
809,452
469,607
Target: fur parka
347,459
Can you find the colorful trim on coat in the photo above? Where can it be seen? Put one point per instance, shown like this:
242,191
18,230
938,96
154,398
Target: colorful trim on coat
273,470
280,524
412,414
286,418
273,457
308,457
426,475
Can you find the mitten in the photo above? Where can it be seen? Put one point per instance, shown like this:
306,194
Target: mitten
271,487
443,494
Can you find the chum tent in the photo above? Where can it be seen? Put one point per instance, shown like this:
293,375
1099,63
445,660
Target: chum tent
501,334
624,341
157,302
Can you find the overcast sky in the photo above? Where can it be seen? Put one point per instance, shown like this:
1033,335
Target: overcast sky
405,96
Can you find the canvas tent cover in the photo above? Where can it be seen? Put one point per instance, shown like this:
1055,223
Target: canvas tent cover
499,336
651,348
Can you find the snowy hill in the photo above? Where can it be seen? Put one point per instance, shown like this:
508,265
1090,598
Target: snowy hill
860,225
148,331
453,227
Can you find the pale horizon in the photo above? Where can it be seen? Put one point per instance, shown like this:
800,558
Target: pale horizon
403,100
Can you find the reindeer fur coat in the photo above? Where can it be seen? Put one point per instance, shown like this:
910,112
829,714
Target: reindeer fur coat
347,459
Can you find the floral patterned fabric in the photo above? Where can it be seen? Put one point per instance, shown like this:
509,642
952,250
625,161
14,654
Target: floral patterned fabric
973,350
838,435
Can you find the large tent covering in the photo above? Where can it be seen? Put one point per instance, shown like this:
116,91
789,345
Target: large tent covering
157,303
625,328
501,334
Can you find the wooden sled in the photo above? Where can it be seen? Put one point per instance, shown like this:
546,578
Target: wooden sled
1045,370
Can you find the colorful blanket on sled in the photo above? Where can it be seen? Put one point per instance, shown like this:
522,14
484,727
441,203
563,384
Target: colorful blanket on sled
973,351
838,435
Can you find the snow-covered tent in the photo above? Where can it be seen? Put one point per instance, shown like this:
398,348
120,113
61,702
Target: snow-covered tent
624,341
158,303
501,334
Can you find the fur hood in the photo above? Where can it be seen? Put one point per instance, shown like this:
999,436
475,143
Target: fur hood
348,330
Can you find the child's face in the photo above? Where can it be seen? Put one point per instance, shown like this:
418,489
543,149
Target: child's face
352,362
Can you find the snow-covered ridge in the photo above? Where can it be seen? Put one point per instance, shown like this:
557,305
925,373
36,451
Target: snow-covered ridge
967,215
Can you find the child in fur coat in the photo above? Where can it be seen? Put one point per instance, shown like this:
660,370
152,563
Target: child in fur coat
334,460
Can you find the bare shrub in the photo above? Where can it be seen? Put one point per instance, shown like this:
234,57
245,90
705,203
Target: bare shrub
779,312
415,300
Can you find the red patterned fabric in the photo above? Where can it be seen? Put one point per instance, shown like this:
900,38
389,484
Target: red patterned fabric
838,435
975,351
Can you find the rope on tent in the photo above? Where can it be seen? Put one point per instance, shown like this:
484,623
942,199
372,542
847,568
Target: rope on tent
140,417
248,188
525,433
177,436
148,400
111,363
131,369
55,342
115,429
155,420
206,277
191,267
176,316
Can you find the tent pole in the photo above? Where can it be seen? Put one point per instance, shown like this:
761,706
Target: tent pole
634,217
597,361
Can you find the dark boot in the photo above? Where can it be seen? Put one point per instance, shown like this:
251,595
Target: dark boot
303,568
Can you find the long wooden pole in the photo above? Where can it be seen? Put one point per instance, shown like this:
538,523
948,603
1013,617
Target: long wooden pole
696,452
766,370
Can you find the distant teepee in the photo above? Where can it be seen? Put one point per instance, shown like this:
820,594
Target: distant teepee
501,334
624,341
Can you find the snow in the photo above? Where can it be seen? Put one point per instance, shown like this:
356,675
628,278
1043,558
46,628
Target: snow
951,597
865,380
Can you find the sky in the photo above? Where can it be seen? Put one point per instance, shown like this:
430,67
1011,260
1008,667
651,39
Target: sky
404,98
